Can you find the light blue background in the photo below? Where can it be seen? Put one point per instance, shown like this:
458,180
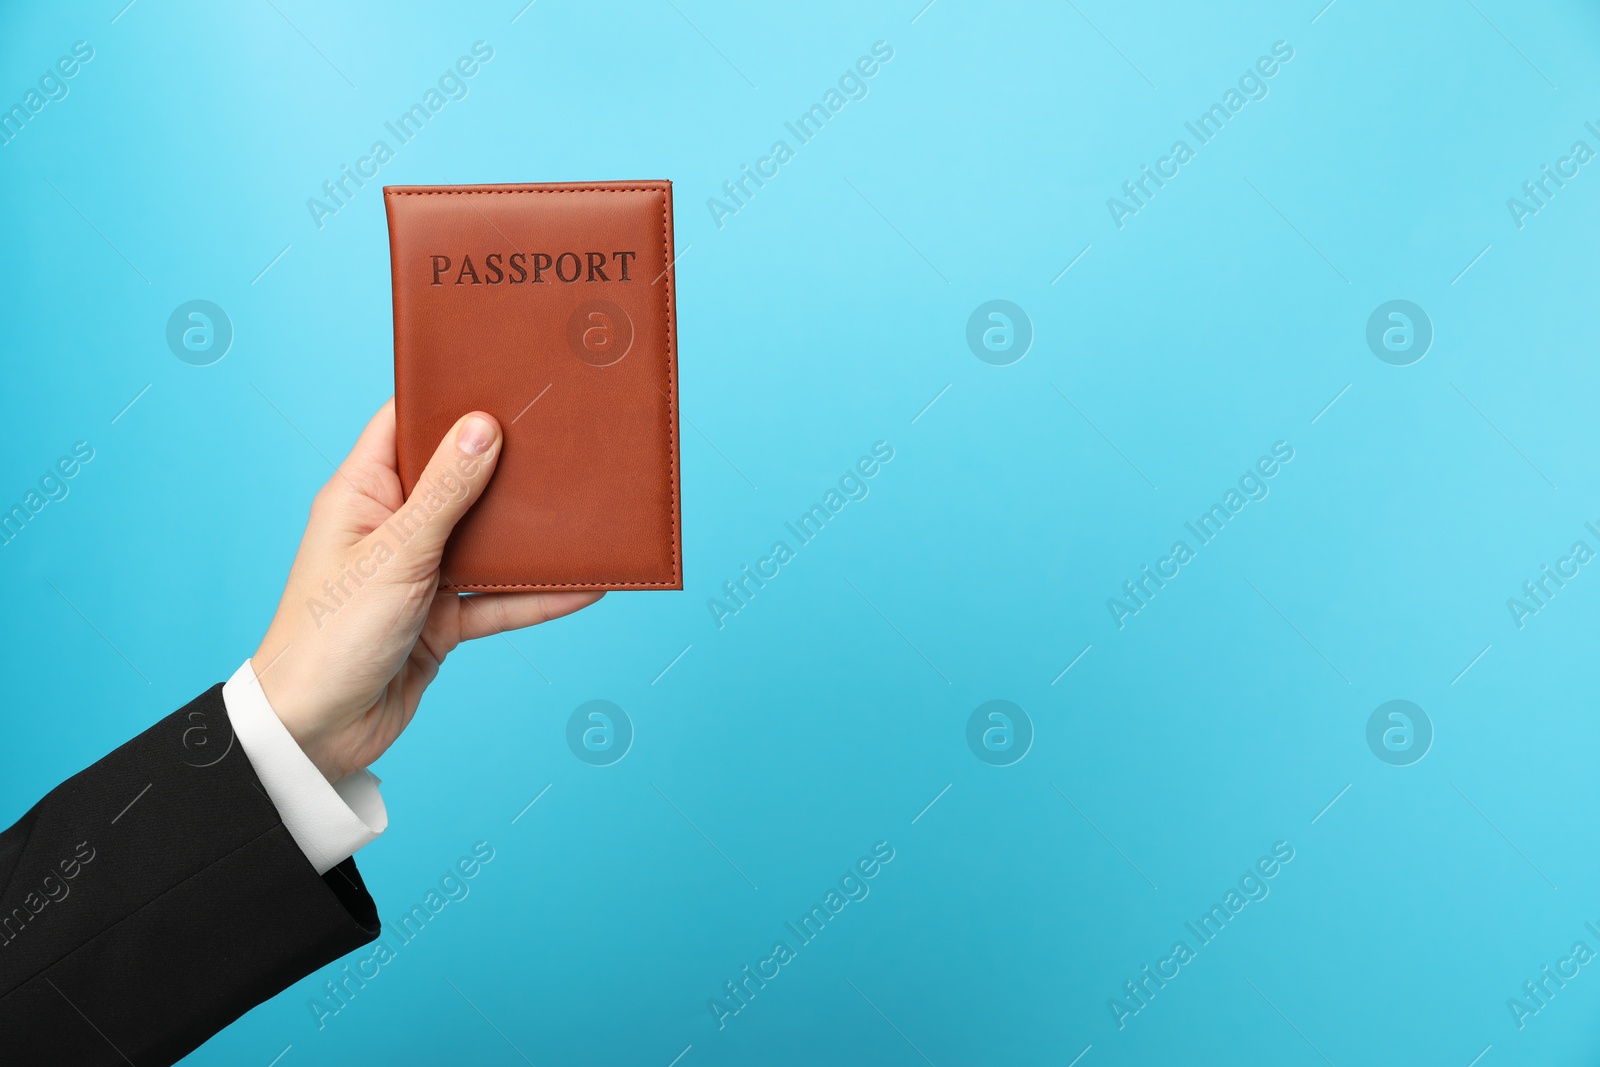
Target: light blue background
820,319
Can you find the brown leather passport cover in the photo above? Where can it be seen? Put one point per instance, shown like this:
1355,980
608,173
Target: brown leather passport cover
549,306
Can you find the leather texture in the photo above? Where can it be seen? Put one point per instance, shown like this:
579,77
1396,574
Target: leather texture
549,306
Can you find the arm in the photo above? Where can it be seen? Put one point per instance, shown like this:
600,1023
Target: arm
153,898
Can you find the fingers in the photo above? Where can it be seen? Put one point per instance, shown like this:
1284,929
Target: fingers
376,443
453,480
369,470
495,613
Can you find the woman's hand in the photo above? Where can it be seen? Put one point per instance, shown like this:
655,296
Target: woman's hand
362,627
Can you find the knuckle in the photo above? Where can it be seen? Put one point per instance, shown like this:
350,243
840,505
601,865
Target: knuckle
499,620
325,503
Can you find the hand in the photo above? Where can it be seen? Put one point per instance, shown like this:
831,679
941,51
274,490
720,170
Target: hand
362,627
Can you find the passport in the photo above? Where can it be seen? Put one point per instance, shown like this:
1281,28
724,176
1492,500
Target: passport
551,307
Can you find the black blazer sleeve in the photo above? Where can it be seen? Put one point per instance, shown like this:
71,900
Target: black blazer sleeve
152,899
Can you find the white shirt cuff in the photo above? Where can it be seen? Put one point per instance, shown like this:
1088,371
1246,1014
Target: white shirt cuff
330,822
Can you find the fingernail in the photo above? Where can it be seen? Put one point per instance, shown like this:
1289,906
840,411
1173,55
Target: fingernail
477,436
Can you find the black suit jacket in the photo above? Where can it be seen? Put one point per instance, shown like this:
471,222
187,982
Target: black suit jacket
152,899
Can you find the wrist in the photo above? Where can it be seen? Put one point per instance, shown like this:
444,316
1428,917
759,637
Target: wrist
296,711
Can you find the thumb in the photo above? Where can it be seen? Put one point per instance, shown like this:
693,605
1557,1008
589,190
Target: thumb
450,484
